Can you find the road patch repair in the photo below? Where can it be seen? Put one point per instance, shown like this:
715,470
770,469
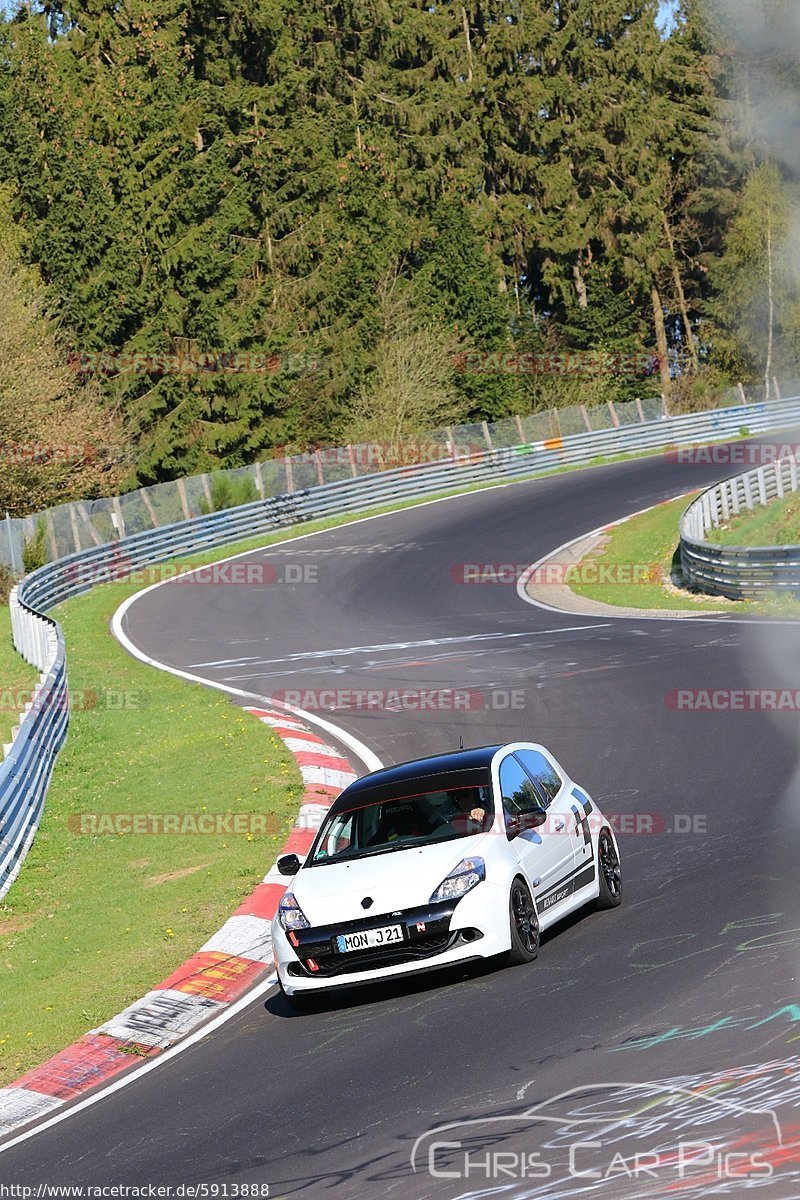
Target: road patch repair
236,958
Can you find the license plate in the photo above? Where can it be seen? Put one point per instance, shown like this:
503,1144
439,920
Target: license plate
368,939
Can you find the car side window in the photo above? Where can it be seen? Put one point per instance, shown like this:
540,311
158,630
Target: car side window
516,789
340,834
542,772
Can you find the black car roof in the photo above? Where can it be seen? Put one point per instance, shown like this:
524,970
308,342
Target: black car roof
471,766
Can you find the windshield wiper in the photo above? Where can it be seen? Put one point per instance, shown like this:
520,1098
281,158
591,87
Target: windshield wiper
345,857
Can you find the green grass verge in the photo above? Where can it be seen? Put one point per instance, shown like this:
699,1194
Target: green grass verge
650,541
773,524
94,921
646,543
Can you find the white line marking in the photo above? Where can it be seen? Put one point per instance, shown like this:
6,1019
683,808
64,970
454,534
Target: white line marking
362,751
380,647
255,993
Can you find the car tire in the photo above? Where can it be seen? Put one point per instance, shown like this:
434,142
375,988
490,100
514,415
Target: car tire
608,871
524,924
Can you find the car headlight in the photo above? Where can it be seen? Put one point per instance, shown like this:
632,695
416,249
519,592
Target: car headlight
462,879
290,914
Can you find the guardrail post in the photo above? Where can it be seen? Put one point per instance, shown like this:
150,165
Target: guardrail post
117,508
73,517
87,520
640,410
259,478
740,571
51,536
149,506
487,437
41,646
184,502
12,550
585,416
613,412
706,512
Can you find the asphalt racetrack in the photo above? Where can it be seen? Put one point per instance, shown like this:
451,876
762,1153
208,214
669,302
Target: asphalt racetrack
650,1050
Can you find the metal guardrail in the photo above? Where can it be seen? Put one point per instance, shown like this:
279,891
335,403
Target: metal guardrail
36,740
739,572
78,525
26,770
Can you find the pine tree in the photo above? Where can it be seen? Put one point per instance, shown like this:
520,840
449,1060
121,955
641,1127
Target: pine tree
456,281
758,290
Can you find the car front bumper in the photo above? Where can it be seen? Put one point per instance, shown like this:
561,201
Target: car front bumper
435,935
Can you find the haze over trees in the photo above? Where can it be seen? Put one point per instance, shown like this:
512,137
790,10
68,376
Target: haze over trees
351,201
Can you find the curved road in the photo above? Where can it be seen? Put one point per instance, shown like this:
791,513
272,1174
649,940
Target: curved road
691,982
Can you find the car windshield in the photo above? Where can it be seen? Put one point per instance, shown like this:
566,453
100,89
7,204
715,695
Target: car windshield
398,822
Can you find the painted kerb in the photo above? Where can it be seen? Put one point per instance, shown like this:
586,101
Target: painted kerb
25,772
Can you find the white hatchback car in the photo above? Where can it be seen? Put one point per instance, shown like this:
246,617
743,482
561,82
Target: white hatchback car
461,856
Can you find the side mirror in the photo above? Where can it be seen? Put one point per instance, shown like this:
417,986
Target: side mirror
288,864
536,818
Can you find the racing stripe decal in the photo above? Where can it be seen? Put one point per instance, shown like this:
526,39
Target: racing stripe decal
582,816
577,878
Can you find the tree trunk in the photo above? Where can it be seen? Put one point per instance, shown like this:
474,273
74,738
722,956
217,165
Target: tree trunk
580,285
771,300
681,296
468,40
661,347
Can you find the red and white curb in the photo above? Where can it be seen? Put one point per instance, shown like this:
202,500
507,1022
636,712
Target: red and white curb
238,956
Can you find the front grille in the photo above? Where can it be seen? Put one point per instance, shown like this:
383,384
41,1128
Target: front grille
373,960
435,937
